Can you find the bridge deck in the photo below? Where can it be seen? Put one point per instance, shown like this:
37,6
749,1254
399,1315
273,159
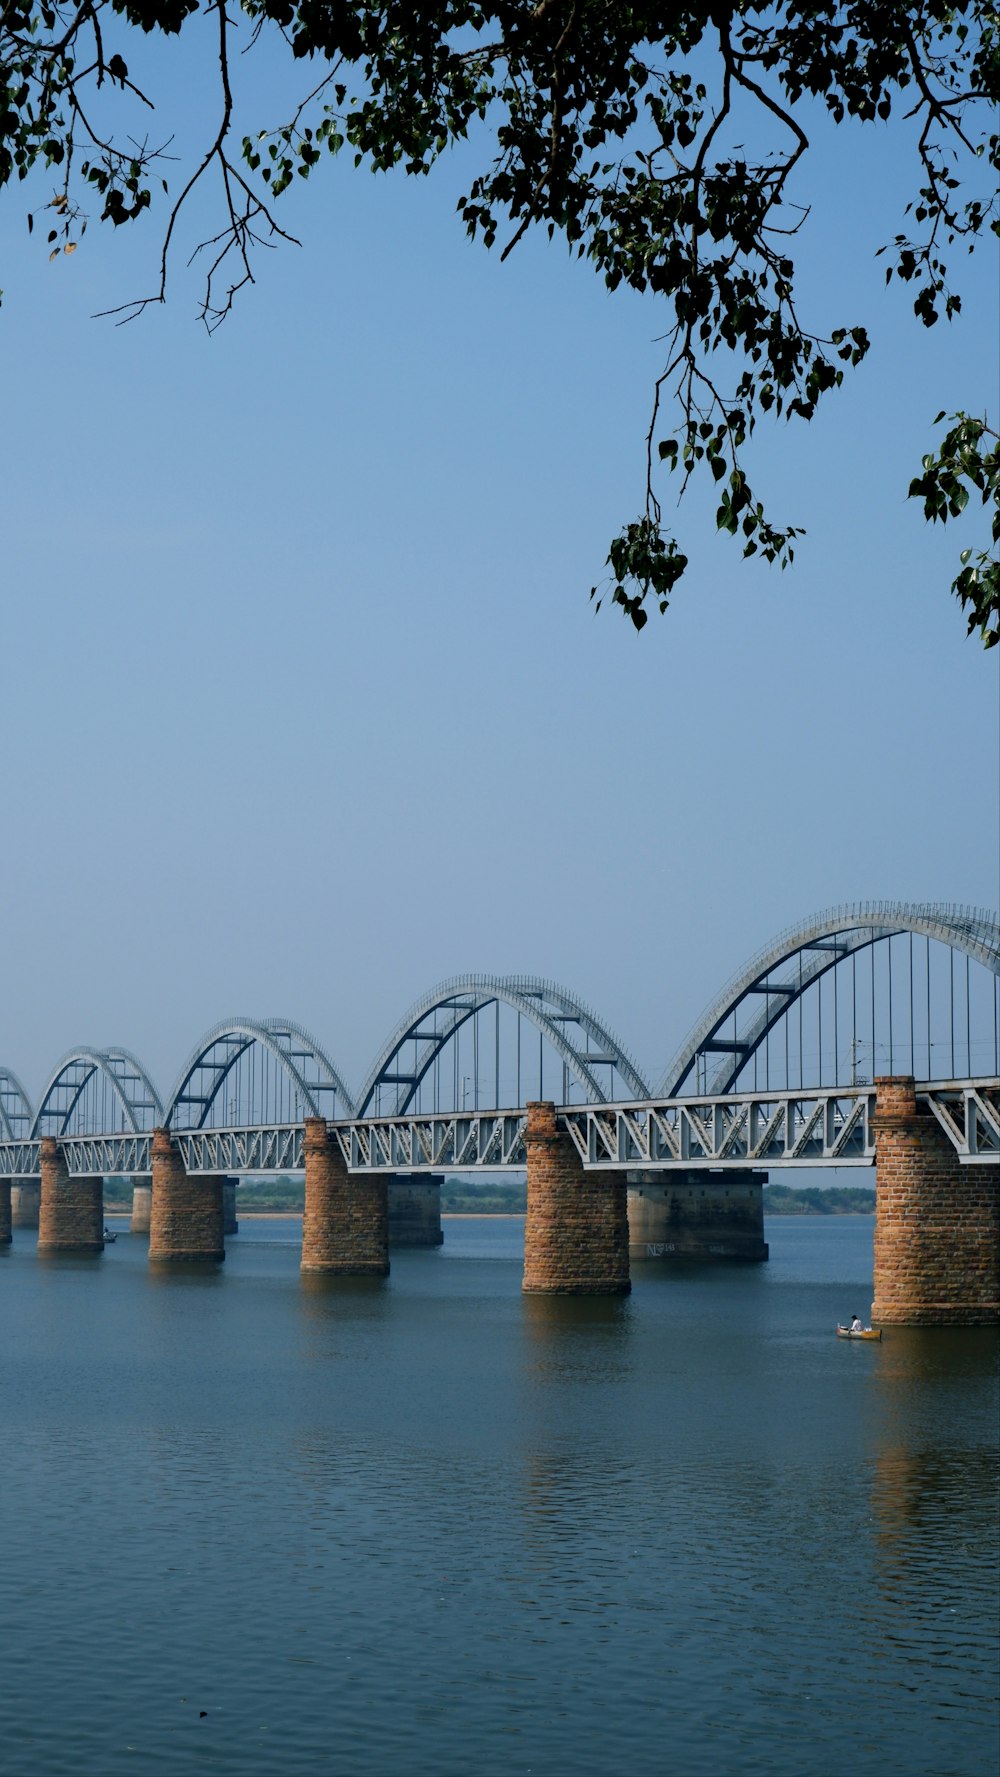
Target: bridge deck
828,1127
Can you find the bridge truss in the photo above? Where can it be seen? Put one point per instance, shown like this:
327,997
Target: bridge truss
830,1127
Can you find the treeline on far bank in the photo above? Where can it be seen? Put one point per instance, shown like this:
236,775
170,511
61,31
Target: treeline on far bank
461,1197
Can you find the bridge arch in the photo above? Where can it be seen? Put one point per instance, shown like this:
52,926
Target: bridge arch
739,1021
295,1078
436,1019
129,1099
16,1114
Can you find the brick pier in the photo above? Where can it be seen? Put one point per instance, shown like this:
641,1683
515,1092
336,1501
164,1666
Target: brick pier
937,1222
693,1214
71,1211
142,1205
576,1229
415,1209
186,1216
345,1228
25,1200
230,1223
5,1213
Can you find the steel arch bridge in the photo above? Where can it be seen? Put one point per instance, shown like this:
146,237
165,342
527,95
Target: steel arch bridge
291,1057
241,1098
590,1053
739,1020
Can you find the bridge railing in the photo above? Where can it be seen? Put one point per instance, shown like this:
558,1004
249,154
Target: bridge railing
831,1126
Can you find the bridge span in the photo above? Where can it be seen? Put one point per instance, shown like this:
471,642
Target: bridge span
808,1058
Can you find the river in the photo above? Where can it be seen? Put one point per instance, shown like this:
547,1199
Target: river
432,1528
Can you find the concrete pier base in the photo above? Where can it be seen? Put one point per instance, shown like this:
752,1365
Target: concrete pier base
690,1214
937,1222
5,1213
187,1215
415,1209
25,1202
229,1223
142,1205
576,1228
71,1212
345,1227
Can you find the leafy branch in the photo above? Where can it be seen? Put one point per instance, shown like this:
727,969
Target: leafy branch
967,461
602,133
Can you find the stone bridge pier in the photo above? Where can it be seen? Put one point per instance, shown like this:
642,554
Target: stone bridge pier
576,1228
142,1205
5,1213
186,1214
71,1210
937,1222
415,1209
345,1228
697,1215
230,1225
25,1202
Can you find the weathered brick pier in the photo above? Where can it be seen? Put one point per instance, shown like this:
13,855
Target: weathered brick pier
937,1222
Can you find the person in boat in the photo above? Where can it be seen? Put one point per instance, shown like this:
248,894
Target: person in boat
856,1326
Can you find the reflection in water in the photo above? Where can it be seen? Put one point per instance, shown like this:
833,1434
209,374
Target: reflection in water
171,1274
934,1502
429,1525
575,1338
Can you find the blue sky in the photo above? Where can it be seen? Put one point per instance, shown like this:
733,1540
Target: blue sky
305,704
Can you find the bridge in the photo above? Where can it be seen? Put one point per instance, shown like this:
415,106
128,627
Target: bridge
791,1064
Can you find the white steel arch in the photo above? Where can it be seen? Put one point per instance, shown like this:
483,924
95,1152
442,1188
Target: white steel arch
16,1114
312,1074
131,1089
782,971
569,1026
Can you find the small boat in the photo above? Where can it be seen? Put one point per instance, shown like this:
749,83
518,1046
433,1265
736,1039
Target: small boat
109,1238
862,1333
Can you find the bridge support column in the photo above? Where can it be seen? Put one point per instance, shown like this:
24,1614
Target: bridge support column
142,1204
187,1215
576,1229
71,1211
229,1223
25,1202
692,1214
5,1213
415,1209
345,1228
937,1222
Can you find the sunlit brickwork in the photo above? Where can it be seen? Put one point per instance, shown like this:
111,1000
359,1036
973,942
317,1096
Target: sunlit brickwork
71,1211
576,1229
345,1228
186,1218
937,1222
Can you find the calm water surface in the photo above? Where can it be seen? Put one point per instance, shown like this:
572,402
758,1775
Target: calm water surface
433,1528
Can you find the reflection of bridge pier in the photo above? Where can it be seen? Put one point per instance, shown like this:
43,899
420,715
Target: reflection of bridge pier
696,1214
